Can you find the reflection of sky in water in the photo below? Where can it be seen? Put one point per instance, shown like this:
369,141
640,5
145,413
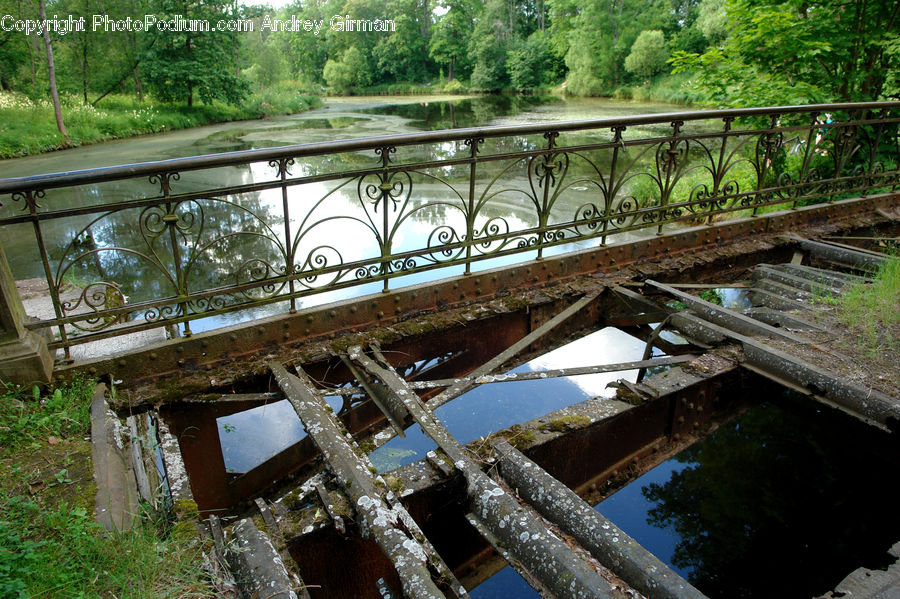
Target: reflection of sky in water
489,408
735,298
627,508
505,584
251,437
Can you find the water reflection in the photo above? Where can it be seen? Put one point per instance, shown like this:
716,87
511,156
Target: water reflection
489,408
235,239
251,437
505,584
783,502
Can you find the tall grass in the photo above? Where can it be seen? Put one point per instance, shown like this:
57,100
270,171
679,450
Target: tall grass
29,125
872,311
50,545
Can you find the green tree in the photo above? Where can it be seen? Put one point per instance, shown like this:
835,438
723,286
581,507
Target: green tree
14,50
402,55
349,72
648,54
51,76
488,46
182,64
790,52
450,37
530,63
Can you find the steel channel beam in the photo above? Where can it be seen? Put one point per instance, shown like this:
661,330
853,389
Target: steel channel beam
823,277
764,271
869,405
729,318
788,291
377,519
531,544
782,319
606,542
865,261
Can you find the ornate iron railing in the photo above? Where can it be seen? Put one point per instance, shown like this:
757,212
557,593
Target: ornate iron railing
165,243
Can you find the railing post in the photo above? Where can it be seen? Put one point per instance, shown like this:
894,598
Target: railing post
547,177
282,166
385,199
470,215
612,186
671,166
24,357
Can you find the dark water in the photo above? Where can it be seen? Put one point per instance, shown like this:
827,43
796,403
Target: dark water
505,584
785,501
472,112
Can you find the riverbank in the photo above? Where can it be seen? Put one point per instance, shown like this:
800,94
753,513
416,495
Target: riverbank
29,127
669,88
50,545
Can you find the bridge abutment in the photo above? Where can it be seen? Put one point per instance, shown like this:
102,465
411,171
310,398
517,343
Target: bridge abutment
24,357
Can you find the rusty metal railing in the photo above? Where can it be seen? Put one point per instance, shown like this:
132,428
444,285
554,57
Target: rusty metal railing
156,244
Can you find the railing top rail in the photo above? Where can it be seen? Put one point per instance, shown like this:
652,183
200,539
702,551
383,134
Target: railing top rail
112,173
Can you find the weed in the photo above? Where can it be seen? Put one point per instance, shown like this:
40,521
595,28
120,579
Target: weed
870,310
712,296
26,416
50,545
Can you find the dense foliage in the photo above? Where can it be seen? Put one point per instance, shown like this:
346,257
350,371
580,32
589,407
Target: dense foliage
728,52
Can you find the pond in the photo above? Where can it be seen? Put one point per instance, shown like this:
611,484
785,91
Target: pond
244,232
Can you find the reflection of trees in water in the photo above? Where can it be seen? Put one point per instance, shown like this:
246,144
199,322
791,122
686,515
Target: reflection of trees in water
221,241
472,112
784,502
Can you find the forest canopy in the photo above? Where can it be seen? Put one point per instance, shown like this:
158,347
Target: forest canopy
722,52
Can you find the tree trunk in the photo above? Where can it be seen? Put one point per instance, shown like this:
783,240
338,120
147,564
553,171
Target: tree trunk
84,71
137,83
450,70
51,73
31,51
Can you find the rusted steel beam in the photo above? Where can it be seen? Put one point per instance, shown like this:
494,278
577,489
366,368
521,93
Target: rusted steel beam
509,353
766,272
606,542
377,519
533,374
865,261
870,405
782,319
728,318
822,276
543,555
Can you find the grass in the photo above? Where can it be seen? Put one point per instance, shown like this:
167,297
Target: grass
50,545
870,310
30,125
